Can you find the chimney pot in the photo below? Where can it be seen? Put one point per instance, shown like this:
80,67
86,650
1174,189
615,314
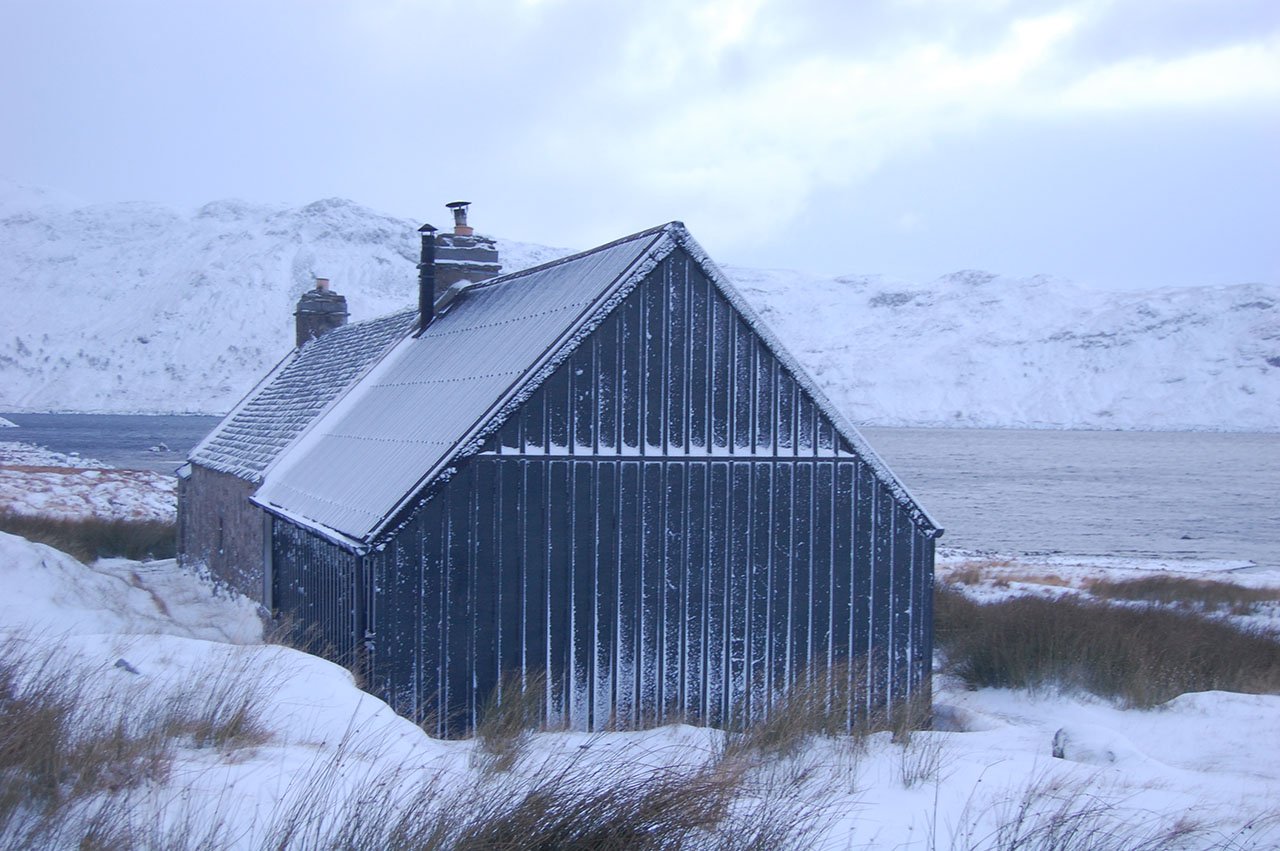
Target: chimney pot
459,208
322,284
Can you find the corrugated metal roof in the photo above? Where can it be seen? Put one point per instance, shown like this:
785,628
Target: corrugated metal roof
283,404
424,402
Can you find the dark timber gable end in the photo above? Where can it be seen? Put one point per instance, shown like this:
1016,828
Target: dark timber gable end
661,515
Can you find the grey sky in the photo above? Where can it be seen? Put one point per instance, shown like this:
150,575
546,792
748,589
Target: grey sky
1117,143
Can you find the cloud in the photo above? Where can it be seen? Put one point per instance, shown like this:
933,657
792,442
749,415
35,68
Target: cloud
570,121
717,110
1245,72
747,153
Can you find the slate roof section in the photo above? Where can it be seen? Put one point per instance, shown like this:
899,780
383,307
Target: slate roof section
290,398
429,397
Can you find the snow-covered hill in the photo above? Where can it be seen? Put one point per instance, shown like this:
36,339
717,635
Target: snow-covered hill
136,307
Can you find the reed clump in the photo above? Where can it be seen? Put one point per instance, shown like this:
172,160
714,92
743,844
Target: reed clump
1140,656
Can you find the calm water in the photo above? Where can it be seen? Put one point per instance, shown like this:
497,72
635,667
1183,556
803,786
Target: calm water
118,439
1144,494
1141,494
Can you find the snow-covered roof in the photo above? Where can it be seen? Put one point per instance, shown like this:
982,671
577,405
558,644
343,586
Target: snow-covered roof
434,395
292,395
406,420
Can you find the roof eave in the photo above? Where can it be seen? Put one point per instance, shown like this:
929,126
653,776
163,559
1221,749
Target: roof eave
333,536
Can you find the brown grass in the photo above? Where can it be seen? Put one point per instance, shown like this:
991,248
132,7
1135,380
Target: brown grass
1204,594
827,702
1029,578
1079,815
513,711
93,538
816,706
71,744
1139,656
581,803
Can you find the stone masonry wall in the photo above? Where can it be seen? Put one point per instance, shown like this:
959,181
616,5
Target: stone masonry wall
220,529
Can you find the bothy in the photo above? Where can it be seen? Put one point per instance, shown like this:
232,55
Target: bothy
603,473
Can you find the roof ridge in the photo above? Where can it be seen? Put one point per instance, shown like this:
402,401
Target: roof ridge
650,231
381,317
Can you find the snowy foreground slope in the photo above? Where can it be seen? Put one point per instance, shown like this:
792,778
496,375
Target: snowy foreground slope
141,633
136,307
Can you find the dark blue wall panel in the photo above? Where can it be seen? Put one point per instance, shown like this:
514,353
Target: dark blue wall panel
668,528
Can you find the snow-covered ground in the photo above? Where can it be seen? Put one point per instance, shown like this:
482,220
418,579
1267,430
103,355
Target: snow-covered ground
137,307
73,492
39,481
142,630
16,453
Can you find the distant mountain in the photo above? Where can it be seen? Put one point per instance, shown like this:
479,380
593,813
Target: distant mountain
136,307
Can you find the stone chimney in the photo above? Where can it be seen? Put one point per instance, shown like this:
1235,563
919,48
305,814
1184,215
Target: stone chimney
319,312
461,255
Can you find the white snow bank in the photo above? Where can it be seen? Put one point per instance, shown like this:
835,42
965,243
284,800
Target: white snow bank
49,592
7,423
140,634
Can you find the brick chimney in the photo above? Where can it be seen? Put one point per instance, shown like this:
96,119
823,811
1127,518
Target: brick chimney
461,255
319,312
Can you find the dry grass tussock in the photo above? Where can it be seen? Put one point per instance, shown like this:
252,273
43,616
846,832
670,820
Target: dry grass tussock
76,741
1001,573
829,701
580,803
508,720
284,630
1206,595
86,752
975,571
92,538
1139,656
